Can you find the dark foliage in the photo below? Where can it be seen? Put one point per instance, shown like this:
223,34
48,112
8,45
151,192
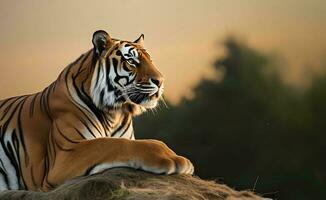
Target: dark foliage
250,125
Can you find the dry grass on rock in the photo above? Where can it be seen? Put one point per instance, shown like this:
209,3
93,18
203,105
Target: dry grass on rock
123,183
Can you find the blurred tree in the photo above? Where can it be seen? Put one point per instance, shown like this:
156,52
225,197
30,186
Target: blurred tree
249,125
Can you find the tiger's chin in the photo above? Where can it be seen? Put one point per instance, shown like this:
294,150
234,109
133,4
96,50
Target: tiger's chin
148,104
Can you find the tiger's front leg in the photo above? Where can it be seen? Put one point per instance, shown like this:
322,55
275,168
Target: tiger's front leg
92,156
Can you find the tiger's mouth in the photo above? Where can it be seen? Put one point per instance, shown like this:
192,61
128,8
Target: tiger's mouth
146,100
144,95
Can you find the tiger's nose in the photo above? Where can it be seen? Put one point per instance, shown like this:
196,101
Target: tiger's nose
157,81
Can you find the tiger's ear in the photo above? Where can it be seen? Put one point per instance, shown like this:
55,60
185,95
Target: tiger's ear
140,40
101,40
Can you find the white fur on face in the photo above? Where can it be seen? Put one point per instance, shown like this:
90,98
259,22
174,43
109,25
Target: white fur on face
100,92
129,54
99,88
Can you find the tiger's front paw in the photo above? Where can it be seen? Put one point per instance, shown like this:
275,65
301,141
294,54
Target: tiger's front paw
157,157
182,165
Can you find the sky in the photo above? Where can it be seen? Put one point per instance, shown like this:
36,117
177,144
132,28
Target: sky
38,38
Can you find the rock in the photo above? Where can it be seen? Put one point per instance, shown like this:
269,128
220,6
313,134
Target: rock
125,183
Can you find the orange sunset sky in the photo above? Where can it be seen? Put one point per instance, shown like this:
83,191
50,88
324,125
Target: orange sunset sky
38,38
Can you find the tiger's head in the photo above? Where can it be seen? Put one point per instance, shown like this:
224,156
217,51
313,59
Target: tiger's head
124,73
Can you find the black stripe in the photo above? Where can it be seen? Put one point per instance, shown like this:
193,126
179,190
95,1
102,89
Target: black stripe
16,146
78,131
60,147
20,129
123,124
98,75
6,100
63,135
124,131
5,112
32,104
80,95
4,174
11,155
88,171
87,127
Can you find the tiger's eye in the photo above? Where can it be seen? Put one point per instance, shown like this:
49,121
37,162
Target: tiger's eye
131,61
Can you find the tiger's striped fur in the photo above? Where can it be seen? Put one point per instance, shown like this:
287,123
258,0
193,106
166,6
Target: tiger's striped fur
82,123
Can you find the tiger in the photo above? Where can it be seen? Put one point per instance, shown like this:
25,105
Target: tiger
82,123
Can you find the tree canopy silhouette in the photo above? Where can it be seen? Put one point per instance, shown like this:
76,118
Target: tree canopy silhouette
250,130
